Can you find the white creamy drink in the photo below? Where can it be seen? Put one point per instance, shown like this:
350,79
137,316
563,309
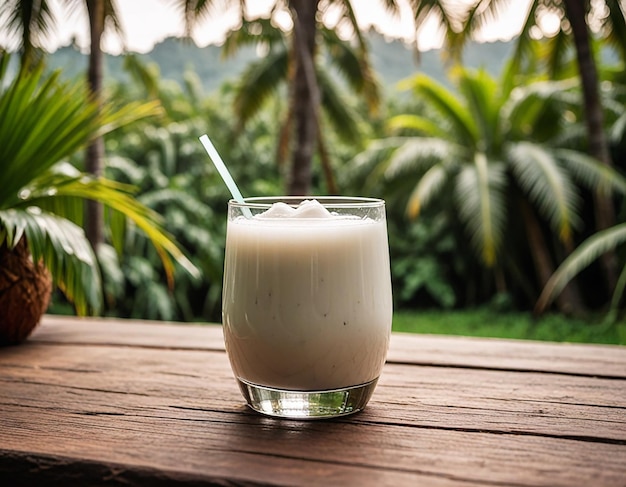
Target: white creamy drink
307,298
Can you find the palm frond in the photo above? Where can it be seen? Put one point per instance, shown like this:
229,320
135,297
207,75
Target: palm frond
478,17
343,119
63,248
481,93
112,116
256,32
417,154
592,173
538,173
369,165
587,252
571,137
613,106
391,7
260,80
354,66
480,190
194,11
112,17
63,193
26,110
33,23
618,129
350,16
525,46
528,109
508,78
447,105
417,123
428,186
556,50
43,121
615,26
438,10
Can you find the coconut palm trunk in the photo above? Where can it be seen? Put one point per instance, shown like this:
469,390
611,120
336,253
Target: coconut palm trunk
94,222
28,50
598,144
306,96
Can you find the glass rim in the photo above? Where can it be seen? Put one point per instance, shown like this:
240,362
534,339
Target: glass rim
265,202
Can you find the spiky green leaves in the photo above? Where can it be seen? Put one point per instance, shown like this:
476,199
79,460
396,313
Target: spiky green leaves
63,248
482,142
42,122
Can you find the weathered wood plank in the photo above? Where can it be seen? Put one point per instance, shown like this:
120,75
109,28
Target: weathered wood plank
502,354
109,331
214,468
562,358
246,447
249,447
136,410
500,401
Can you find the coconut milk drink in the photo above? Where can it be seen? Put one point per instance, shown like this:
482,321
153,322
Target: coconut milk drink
307,300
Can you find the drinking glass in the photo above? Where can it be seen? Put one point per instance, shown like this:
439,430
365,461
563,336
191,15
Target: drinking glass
307,304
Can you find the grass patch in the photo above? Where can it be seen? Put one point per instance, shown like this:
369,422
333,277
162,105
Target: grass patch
489,323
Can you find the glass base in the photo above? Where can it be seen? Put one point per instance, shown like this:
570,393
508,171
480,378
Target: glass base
306,404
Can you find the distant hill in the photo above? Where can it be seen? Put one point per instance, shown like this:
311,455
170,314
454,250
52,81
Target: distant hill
393,60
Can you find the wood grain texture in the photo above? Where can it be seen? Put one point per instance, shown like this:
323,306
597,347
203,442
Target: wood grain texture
446,351
96,402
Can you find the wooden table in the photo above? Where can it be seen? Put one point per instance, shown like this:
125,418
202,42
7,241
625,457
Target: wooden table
104,402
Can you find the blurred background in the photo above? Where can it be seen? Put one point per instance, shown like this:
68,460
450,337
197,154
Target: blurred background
495,130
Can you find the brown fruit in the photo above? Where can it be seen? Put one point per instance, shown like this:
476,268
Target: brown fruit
25,289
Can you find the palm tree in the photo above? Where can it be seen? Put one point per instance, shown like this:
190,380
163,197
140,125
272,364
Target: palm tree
262,81
42,122
492,148
297,59
448,16
99,12
32,21
574,27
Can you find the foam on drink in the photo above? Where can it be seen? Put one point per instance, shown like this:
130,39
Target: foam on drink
307,298
306,209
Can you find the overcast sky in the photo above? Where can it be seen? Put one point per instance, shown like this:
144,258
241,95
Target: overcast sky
147,22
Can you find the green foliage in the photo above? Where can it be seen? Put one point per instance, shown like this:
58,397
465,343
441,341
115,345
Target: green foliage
588,251
175,179
63,248
42,122
459,158
270,77
488,151
422,263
